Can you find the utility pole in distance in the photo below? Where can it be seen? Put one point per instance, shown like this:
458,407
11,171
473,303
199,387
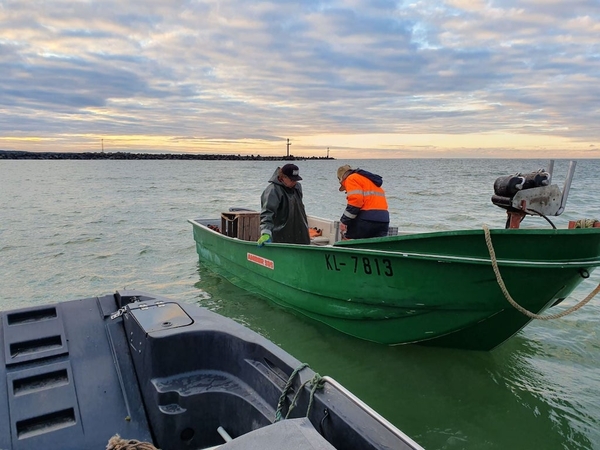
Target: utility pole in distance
288,147
327,152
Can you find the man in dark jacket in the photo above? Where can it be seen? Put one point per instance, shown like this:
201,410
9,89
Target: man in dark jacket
366,214
282,216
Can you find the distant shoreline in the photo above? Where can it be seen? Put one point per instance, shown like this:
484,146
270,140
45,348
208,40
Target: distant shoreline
8,154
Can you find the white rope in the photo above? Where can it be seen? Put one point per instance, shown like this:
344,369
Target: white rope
488,241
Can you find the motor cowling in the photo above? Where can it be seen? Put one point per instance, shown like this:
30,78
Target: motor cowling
509,185
505,188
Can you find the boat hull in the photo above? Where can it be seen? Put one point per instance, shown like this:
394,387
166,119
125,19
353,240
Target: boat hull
437,288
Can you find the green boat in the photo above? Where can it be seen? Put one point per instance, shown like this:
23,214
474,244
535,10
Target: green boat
438,287
448,288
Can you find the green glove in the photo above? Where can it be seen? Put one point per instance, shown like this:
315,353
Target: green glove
263,239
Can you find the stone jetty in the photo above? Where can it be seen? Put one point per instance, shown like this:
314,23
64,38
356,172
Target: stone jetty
8,154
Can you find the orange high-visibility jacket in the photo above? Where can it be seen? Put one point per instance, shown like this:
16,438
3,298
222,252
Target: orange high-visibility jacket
365,198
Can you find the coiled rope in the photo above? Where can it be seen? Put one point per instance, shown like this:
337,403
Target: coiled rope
118,443
585,223
488,241
316,381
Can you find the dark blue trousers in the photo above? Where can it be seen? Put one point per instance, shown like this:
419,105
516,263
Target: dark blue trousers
359,228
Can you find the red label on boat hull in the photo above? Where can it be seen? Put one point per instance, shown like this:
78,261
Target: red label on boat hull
261,261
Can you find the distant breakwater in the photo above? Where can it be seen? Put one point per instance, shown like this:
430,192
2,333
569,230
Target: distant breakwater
6,154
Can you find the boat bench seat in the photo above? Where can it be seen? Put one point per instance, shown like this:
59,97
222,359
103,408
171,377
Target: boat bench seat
330,230
290,434
222,387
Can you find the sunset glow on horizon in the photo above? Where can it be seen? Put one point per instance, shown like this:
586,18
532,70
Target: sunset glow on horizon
423,79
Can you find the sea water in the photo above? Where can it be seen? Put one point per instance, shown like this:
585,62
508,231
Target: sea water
73,229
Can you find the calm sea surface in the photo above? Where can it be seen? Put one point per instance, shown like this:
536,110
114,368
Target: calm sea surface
71,229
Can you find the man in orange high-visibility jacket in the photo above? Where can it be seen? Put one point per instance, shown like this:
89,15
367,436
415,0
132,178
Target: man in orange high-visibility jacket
366,214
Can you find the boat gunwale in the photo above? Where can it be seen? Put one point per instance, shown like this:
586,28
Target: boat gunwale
370,411
593,262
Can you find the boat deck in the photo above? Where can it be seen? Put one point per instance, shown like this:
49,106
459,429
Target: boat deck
329,229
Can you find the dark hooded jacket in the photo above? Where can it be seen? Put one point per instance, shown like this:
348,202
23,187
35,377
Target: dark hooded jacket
282,214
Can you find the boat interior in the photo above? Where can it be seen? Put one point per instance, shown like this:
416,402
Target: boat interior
244,224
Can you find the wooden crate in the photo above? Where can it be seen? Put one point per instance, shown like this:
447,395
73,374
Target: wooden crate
244,225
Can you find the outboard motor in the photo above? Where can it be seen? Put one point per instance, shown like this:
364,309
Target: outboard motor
531,194
508,186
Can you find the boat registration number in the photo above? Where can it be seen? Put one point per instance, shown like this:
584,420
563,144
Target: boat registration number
360,264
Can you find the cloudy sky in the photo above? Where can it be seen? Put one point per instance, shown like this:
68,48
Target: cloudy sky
382,79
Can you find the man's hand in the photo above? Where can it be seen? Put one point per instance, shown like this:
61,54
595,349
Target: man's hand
263,239
343,229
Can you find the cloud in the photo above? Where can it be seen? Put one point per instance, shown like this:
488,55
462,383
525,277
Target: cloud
237,77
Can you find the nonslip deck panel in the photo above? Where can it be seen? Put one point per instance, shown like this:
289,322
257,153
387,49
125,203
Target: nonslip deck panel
33,334
67,378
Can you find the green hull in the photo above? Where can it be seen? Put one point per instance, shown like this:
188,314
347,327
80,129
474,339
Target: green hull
436,288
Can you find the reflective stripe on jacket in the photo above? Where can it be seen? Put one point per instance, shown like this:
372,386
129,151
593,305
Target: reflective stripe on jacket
365,198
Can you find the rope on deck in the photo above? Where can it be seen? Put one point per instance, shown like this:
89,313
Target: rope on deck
488,241
118,443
